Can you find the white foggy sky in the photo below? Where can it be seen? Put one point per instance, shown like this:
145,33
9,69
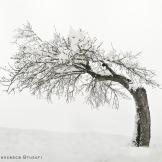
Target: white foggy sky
129,24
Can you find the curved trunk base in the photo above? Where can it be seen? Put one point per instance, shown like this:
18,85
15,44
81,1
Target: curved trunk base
143,121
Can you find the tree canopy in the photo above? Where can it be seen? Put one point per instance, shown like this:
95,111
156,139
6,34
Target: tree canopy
72,65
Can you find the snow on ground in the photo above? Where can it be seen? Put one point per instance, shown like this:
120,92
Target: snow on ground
74,147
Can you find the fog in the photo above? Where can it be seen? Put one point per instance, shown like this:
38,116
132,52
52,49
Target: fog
130,25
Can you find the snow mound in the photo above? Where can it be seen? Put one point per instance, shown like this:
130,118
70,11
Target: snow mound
73,147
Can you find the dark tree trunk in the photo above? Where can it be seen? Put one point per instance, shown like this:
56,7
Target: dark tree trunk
143,121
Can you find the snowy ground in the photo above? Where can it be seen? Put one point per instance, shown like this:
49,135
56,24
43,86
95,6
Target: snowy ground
74,147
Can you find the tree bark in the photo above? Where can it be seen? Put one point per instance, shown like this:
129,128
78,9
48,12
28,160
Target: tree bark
143,120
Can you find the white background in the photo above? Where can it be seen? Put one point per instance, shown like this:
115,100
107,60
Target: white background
129,24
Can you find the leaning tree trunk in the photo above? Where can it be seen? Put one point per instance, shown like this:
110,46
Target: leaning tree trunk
143,121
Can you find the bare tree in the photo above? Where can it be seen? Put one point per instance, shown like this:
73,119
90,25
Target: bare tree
78,65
